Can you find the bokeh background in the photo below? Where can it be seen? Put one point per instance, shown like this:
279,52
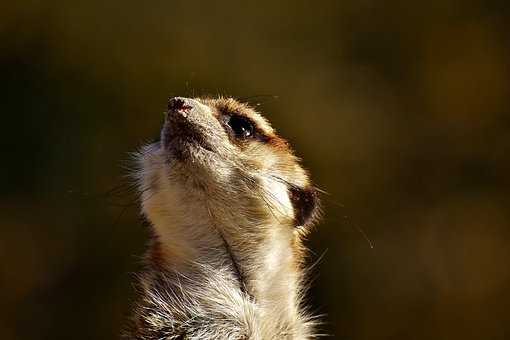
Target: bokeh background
399,109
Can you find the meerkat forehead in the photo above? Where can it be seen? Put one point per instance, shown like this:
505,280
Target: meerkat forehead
223,145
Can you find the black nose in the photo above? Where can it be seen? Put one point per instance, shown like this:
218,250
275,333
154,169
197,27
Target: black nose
178,104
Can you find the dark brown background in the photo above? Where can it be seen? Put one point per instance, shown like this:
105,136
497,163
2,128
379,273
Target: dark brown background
400,110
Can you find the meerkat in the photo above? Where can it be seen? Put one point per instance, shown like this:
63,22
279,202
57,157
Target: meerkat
228,203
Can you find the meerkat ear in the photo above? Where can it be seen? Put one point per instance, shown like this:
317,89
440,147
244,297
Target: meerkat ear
305,202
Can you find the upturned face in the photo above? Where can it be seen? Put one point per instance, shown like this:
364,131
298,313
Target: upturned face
222,155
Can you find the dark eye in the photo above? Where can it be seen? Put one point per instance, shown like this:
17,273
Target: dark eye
242,127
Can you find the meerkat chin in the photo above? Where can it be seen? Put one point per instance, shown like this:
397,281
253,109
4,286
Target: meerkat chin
229,204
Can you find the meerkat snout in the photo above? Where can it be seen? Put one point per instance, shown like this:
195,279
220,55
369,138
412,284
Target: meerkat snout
178,104
190,128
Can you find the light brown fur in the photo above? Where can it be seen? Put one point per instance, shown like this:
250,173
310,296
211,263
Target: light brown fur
228,214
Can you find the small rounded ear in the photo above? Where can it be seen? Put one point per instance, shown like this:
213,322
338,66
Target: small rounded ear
305,202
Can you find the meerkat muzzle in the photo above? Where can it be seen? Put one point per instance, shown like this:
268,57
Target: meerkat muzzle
179,104
186,124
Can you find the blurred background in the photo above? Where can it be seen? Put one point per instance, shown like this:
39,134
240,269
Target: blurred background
399,109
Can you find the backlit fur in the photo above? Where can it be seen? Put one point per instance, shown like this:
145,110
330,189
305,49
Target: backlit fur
226,258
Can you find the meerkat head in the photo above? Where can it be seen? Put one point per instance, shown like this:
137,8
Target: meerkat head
220,169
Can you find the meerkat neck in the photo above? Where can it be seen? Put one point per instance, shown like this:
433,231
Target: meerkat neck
253,260
266,275
268,272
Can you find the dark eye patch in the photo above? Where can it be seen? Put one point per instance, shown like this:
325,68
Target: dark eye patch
242,127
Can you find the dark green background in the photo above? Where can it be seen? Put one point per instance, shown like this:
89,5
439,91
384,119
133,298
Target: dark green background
400,110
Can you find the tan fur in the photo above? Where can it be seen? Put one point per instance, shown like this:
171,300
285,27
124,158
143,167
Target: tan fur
226,261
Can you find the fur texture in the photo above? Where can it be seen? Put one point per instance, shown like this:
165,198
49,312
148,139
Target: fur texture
229,204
